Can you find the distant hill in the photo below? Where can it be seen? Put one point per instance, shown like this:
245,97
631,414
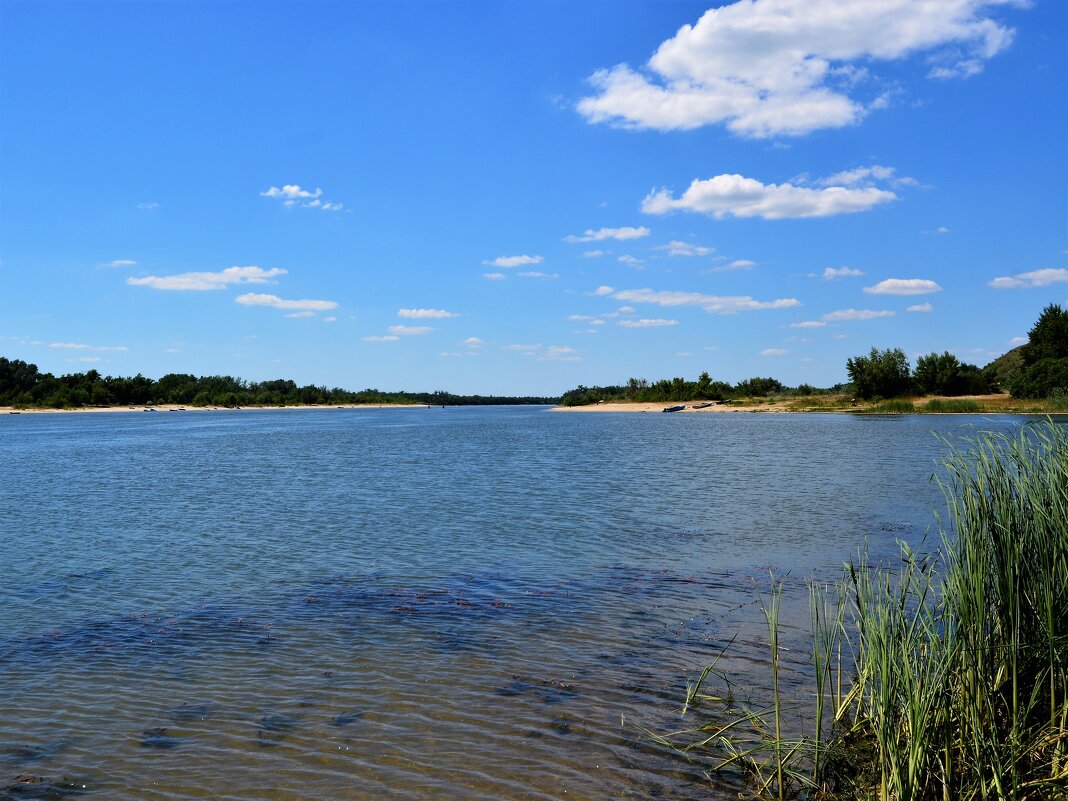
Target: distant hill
1004,364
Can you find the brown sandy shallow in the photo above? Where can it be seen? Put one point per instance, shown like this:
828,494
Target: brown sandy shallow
178,408
658,407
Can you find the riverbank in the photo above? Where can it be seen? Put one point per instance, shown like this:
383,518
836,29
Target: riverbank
178,408
931,404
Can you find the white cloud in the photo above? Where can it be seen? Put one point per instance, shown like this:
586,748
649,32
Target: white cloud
1050,275
677,248
625,310
920,307
381,339
275,302
473,342
621,234
831,273
867,176
1017,341
536,274
559,353
409,330
594,254
151,205
294,195
788,67
774,352
300,314
425,314
120,263
88,358
647,323
603,290
204,281
522,348
857,314
904,286
633,261
737,264
83,346
733,195
330,319
513,261
808,324
713,304
493,276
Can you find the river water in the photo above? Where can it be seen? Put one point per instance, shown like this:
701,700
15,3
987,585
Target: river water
412,603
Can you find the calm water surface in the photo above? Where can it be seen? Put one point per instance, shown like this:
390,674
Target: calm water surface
417,604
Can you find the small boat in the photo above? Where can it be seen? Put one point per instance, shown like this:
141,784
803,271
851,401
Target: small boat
678,408
703,405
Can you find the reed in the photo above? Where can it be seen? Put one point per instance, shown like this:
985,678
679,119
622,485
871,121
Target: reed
949,671
894,406
951,406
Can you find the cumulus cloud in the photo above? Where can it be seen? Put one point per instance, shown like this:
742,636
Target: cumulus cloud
857,314
647,323
409,330
920,307
904,286
603,290
1050,275
425,314
601,234
474,342
381,339
120,263
513,261
713,304
774,352
831,273
733,195
677,248
205,281
83,346
294,195
633,261
789,67
809,324
275,302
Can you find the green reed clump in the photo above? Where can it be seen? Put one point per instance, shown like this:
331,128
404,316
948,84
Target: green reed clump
951,406
894,406
953,682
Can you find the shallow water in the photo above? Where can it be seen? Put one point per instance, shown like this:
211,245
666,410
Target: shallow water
413,603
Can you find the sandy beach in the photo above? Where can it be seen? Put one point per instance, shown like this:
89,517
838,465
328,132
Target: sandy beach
178,408
658,407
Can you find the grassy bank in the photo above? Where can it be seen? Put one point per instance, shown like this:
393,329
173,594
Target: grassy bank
944,678
984,404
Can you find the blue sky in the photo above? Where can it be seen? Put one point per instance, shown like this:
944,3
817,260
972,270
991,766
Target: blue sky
520,197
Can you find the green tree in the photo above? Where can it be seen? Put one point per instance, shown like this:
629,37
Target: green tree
1044,368
882,373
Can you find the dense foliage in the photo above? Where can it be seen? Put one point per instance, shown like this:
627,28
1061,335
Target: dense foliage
1043,372
944,374
22,384
882,373
674,390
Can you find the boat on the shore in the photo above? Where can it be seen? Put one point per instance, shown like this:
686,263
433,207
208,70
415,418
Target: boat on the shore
703,405
678,408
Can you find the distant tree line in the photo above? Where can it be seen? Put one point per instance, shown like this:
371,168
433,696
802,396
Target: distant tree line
639,390
22,384
1041,369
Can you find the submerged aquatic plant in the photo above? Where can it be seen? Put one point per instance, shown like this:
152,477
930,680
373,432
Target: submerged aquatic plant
953,684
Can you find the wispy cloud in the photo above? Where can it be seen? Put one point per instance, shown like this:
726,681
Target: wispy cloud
119,263
647,323
809,324
1035,278
735,195
633,261
536,274
294,195
381,339
867,176
559,353
601,234
857,314
149,206
713,304
737,264
594,254
764,68
298,315
426,314
474,342
903,286
84,346
679,248
522,348
409,330
774,352
831,273
275,302
513,261
493,276
921,308
205,281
